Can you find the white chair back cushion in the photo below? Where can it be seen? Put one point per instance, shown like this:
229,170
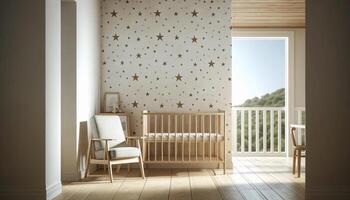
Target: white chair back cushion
110,127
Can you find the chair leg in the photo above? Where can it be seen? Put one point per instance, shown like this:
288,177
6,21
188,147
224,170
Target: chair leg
294,160
141,167
299,162
88,160
110,172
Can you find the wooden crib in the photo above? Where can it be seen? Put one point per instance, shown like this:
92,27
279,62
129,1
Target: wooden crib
184,137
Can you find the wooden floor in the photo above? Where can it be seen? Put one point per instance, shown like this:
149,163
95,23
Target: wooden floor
251,178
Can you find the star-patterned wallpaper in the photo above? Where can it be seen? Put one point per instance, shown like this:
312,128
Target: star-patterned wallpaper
167,55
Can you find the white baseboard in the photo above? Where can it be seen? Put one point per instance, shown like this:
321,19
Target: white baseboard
53,190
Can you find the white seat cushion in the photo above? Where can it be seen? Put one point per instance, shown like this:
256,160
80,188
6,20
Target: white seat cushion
119,153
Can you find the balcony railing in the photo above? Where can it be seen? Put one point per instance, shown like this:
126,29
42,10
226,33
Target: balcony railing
259,131
262,130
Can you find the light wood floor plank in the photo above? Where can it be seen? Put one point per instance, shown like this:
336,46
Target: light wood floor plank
157,184
131,187
281,188
244,188
257,183
226,188
180,188
202,186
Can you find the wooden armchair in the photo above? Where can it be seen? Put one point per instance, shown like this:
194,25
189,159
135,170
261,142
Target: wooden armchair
298,150
110,148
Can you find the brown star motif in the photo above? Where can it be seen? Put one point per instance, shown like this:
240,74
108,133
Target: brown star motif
135,77
194,13
157,13
160,37
115,37
138,55
161,106
178,77
179,104
211,64
134,104
114,14
194,39
140,13
210,105
176,37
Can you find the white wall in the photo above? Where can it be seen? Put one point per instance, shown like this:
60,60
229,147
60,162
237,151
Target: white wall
299,55
87,87
53,98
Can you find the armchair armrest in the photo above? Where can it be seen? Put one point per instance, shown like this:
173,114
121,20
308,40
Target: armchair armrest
101,139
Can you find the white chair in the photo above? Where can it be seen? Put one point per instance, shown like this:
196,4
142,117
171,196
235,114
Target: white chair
110,147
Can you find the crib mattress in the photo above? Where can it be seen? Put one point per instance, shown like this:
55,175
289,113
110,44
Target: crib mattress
184,136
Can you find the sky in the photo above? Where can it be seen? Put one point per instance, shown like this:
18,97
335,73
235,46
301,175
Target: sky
258,67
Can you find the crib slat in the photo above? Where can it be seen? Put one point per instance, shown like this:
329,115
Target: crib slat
224,143
144,120
209,137
155,138
169,144
175,137
196,118
162,131
217,141
203,149
183,139
189,136
148,140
